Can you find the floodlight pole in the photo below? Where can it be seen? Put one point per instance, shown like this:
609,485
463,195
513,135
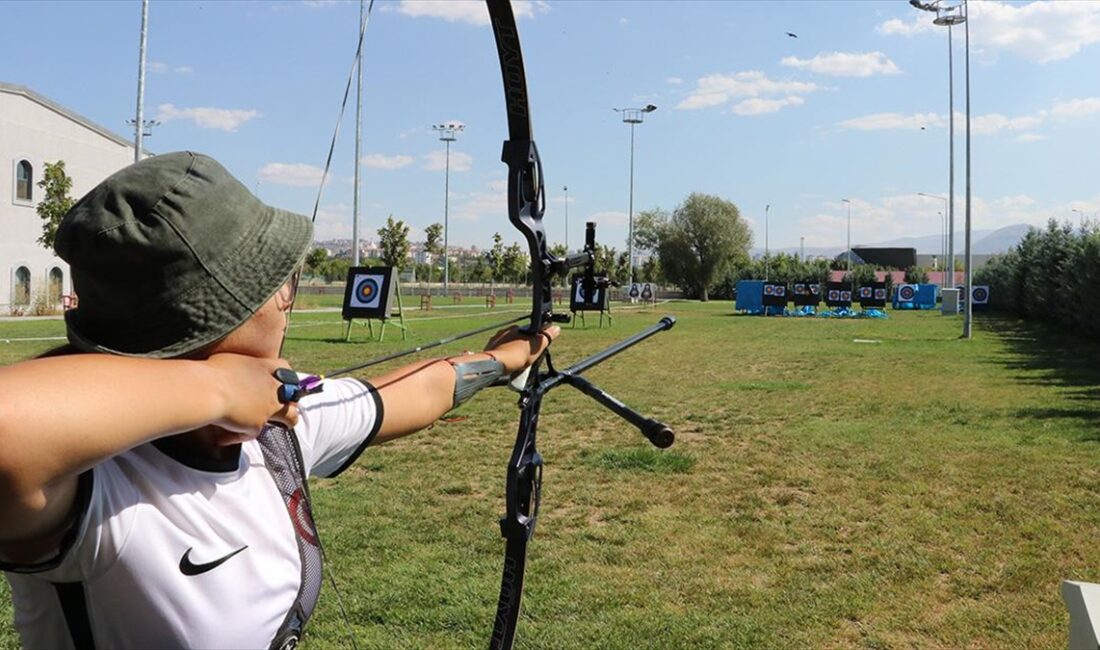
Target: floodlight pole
447,133
767,261
139,118
358,143
968,321
802,248
633,116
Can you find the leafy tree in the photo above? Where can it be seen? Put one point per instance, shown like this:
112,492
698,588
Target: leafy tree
648,226
916,275
334,269
394,241
433,244
55,202
494,259
514,264
315,260
704,236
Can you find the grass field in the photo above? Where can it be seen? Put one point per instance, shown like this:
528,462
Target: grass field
911,491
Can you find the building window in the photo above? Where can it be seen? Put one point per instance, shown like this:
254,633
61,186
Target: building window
21,292
24,181
56,284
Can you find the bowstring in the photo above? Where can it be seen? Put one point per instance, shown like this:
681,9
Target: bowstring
297,277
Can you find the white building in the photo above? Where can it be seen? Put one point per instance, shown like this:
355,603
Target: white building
35,131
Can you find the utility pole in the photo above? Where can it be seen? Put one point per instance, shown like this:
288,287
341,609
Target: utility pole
767,260
565,188
851,280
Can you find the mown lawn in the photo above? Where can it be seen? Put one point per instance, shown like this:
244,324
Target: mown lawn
906,490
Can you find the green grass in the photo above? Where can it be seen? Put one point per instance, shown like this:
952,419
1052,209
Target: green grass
923,491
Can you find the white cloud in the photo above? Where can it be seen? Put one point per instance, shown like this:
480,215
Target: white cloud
224,119
609,218
893,121
1038,31
334,222
292,174
472,12
759,106
918,24
845,64
624,20
675,81
382,161
1030,137
718,89
906,215
316,4
160,67
436,161
995,122
1076,108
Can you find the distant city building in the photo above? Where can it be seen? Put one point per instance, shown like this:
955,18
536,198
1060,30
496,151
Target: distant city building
34,131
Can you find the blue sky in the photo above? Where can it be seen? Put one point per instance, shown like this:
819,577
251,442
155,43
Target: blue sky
744,111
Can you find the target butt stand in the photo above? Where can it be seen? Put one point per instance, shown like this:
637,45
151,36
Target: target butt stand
370,294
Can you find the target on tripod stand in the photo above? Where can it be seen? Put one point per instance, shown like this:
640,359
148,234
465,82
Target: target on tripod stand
369,292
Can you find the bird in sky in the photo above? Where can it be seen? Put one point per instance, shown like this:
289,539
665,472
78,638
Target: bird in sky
792,35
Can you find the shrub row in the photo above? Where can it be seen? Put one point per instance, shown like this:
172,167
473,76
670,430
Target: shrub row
1052,275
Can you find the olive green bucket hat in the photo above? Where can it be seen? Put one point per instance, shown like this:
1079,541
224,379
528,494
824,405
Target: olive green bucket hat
171,254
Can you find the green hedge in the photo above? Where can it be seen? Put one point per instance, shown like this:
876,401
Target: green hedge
1052,275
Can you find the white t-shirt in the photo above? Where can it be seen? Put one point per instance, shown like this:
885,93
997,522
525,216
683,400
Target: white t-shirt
186,553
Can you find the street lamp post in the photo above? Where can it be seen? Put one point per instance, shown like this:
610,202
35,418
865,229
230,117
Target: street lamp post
802,248
943,232
633,116
447,133
851,280
565,188
767,260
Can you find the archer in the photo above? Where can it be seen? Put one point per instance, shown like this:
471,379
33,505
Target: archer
153,473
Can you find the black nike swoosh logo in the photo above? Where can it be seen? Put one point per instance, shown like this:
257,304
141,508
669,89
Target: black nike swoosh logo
187,568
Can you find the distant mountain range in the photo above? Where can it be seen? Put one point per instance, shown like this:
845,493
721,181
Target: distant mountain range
986,242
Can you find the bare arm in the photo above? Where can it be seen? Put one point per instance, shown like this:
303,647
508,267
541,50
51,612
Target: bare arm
59,416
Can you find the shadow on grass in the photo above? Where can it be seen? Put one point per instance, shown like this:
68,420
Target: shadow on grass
1045,355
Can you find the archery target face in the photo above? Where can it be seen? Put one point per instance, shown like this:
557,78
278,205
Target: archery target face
846,296
880,293
769,289
864,293
907,293
800,289
815,289
647,292
635,291
980,295
833,295
366,291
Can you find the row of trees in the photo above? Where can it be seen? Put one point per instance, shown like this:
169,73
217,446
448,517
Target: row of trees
1051,275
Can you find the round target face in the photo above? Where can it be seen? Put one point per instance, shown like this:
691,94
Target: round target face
981,295
769,290
781,290
800,289
880,294
834,295
815,289
846,296
907,293
366,290
865,292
